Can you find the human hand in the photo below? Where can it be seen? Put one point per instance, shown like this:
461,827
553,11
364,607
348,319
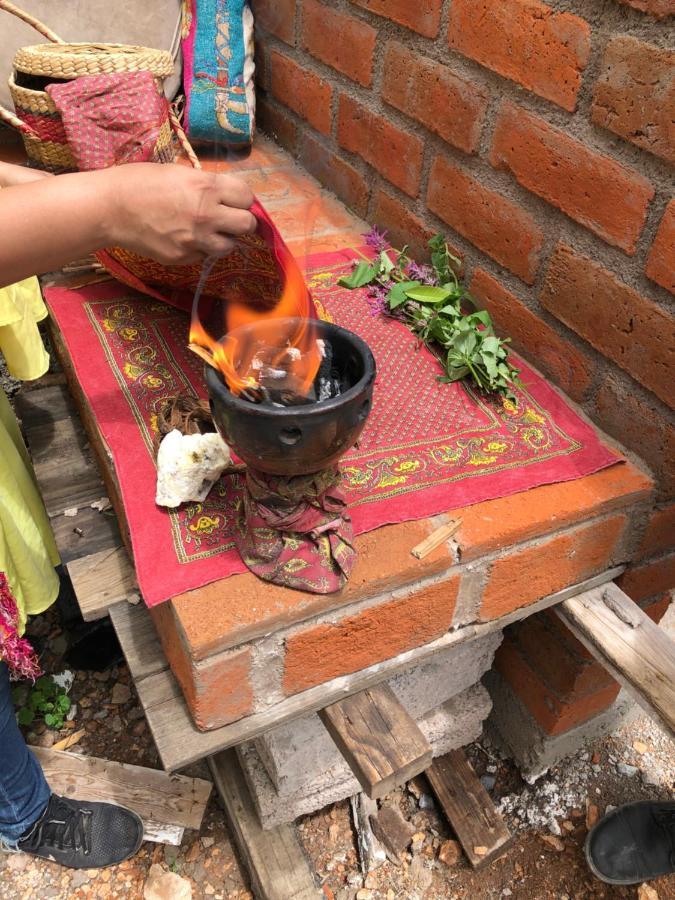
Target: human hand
177,215
12,175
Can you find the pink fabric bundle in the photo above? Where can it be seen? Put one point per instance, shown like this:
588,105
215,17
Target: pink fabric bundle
15,651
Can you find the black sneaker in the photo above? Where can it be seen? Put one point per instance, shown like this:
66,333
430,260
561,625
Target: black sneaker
633,843
84,835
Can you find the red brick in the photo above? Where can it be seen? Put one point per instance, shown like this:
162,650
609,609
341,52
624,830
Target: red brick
434,95
525,576
277,17
396,154
302,90
594,190
277,123
657,607
552,714
323,652
635,94
341,41
499,227
661,261
660,533
218,691
556,662
499,524
335,173
526,41
571,369
657,8
423,16
649,579
641,427
404,227
635,332
384,563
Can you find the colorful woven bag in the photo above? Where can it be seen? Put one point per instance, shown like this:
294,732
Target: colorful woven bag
218,71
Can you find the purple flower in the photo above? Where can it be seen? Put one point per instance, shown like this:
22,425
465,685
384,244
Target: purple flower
425,274
377,301
376,239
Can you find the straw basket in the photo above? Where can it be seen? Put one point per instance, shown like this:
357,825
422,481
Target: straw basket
36,116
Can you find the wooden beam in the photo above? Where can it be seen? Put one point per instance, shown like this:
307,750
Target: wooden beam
137,636
275,859
101,580
468,807
378,738
167,803
639,654
180,742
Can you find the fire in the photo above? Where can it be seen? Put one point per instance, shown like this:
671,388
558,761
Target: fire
246,329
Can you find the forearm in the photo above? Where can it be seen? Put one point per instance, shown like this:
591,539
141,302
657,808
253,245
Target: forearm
47,223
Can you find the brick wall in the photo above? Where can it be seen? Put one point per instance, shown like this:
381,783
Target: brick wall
539,138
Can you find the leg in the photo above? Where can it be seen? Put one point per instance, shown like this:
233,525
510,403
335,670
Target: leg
24,793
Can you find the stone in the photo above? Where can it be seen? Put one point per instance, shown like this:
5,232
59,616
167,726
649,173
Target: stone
188,465
552,841
301,749
162,885
625,769
121,693
426,801
646,892
17,862
450,853
208,842
650,777
640,747
453,725
488,781
592,815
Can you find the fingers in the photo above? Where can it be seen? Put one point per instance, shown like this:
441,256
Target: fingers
233,192
228,220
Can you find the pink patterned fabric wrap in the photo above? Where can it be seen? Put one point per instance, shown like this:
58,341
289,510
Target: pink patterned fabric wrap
114,119
15,651
296,531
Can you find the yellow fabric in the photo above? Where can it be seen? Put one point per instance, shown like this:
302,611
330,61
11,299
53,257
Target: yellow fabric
28,551
21,308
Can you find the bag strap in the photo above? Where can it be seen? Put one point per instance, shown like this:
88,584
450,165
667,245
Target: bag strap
182,137
32,21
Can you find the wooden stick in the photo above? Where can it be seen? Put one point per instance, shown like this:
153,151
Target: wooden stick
435,539
203,355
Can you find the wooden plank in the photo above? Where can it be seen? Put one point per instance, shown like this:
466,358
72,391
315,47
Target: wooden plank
64,467
639,654
158,798
101,580
378,738
99,532
275,859
468,807
137,636
180,743
43,404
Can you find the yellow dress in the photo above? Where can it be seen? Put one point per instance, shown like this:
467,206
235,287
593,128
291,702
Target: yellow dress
28,551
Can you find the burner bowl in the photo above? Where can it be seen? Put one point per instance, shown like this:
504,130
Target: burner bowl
299,440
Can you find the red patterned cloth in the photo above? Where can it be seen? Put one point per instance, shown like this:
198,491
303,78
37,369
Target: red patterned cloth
296,531
427,447
16,652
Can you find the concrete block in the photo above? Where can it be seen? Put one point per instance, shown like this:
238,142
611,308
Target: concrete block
512,728
303,748
455,724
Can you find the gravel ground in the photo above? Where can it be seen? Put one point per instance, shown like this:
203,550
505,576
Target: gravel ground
548,819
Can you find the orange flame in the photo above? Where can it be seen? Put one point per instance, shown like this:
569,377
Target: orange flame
248,328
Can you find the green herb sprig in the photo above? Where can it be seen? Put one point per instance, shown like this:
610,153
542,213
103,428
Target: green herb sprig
45,700
432,301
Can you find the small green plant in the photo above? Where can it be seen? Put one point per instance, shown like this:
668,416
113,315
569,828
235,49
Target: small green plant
46,701
432,301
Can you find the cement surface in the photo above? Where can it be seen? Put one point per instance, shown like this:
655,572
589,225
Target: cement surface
455,724
303,748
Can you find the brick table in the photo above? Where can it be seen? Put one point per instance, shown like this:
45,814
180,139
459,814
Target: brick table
244,656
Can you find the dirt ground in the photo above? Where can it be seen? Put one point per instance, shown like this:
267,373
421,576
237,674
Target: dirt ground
548,818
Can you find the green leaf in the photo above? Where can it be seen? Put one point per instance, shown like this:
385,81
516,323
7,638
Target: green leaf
427,293
63,703
455,374
449,310
490,345
363,274
386,265
399,293
25,716
482,316
53,720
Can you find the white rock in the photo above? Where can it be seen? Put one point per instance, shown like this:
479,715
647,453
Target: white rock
161,885
188,465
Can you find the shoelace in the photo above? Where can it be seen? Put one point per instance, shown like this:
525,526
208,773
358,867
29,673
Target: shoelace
65,827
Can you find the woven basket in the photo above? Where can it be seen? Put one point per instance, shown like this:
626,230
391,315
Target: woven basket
36,116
